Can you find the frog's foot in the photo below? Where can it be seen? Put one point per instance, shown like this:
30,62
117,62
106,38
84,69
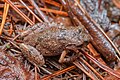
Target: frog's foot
71,58
32,55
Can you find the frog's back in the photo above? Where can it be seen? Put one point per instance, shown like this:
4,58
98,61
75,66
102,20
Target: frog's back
52,41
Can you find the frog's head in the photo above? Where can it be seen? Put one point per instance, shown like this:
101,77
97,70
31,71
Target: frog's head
84,35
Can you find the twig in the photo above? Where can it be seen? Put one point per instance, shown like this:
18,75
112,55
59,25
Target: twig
80,66
99,40
54,11
88,70
44,69
91,68
19,12
9,42
62,13
85,12
95,54
42,15
117,3
31,11
53,3
104,67
58,73
6,8
36,73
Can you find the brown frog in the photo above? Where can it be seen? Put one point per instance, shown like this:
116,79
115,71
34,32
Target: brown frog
51,39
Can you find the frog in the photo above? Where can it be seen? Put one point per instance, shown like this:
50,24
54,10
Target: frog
52,39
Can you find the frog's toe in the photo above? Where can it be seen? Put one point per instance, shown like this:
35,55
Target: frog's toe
68,59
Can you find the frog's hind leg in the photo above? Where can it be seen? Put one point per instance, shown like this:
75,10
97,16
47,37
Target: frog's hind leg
32,54
71,58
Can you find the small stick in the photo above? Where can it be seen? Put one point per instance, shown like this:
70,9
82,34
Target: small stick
117,3
36,73
42,15
99,40
31,11
6,8
59,72
88,70
80,67
54,11
95,54
19,12
92,68
62,13
53,3
102,66
85,12
9,42
1,13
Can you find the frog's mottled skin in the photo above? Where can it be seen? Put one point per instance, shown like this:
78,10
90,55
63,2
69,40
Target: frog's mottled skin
51,40
54,40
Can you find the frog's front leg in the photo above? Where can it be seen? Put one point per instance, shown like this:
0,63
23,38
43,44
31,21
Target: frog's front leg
32,54
71,58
